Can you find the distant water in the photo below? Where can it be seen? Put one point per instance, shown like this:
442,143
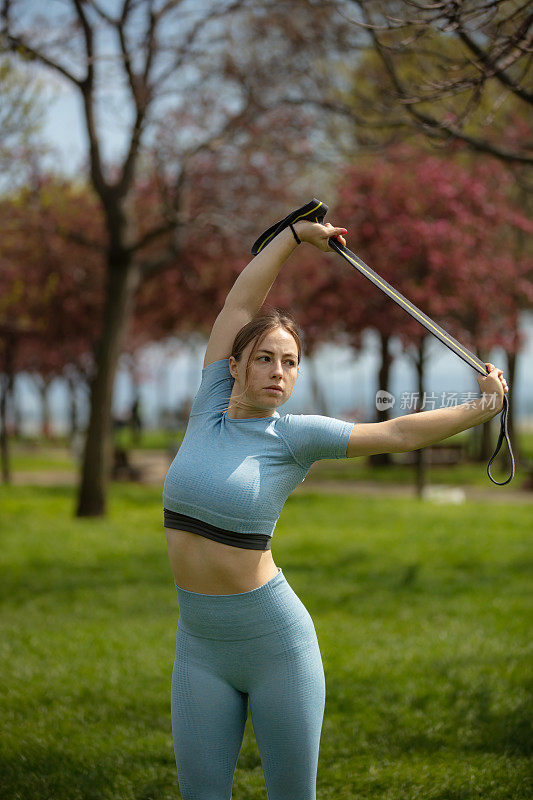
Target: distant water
348,381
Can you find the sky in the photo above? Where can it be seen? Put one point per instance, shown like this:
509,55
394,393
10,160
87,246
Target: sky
349,380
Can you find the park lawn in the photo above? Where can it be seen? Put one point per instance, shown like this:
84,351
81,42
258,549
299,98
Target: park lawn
422,613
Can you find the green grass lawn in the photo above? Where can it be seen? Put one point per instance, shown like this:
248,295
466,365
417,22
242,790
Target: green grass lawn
423,614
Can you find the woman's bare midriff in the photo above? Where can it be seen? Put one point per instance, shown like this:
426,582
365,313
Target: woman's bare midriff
203,565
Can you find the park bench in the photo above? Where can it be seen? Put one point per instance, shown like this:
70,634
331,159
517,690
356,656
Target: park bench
123,469
442,455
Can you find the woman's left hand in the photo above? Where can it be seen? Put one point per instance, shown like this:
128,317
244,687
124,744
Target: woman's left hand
318,235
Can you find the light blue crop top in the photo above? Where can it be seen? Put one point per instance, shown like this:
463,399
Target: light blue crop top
237,473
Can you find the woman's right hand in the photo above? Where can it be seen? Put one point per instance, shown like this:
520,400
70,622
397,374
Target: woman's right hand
318,235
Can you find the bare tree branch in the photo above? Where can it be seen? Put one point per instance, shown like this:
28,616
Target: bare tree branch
185,51
153,235
139,90
346,111
79,238
439,126
524,38
16,43
87,90
251,108
504,50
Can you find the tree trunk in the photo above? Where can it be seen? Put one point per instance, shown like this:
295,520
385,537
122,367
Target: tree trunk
163,403
511,380
73,407
135,421
421,460
46,428
383,414
4,441
17,414
6,386
319,397
123,281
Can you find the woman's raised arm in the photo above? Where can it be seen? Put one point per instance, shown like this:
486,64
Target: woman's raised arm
255,281
251,288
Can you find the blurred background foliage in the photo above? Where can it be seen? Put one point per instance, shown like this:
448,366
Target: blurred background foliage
205,121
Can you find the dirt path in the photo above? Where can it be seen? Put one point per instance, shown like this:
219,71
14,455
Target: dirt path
154,466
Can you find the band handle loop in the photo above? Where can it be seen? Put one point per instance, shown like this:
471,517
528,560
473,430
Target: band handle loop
315,211
504,434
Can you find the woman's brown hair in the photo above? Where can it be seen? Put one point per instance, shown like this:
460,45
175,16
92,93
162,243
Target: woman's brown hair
258,328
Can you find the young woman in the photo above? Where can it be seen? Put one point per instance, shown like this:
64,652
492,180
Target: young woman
243,635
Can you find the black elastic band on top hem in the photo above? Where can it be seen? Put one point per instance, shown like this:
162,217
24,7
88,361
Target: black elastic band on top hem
246,541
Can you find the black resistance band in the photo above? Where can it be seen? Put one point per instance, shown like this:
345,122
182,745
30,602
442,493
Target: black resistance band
315,211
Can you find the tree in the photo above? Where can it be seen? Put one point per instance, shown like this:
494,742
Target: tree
51,287
157,60
440,233
21,118
444,60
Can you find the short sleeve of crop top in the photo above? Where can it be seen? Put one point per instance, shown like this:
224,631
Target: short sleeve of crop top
311,437
215,389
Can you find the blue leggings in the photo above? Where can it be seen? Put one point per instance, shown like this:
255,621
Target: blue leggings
258,646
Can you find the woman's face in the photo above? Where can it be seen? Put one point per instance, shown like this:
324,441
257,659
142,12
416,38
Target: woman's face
275,363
